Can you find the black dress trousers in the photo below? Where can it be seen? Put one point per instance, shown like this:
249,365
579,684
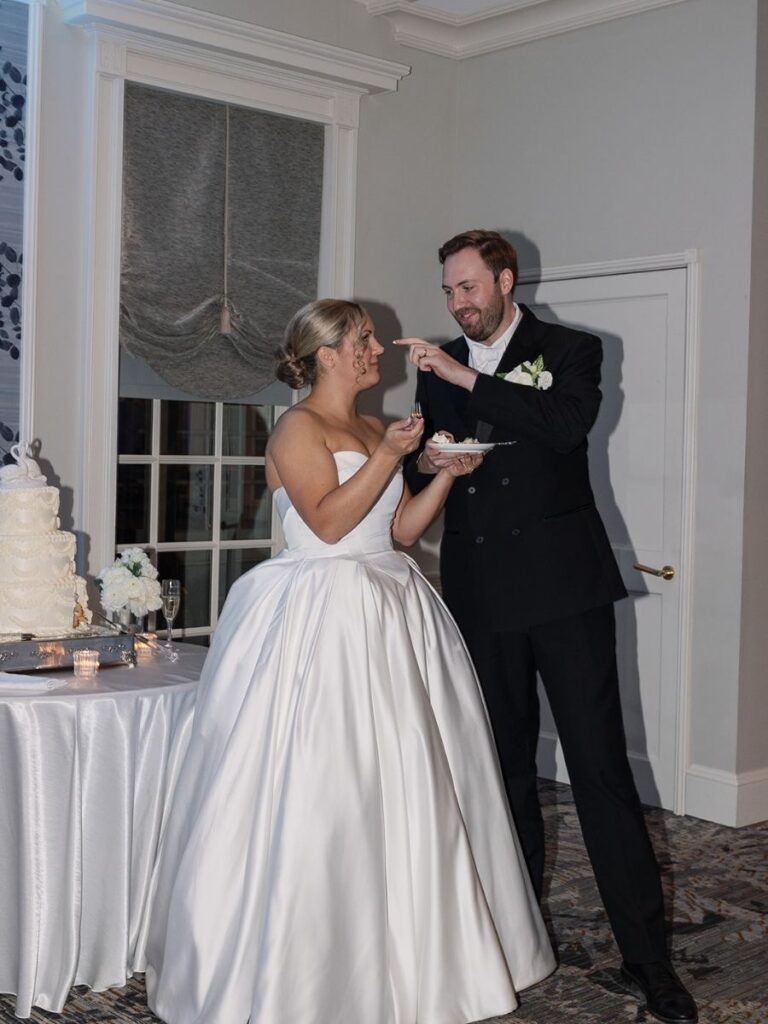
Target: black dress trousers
575,658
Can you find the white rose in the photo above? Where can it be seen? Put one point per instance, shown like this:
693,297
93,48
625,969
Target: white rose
152,598
110,575
519,376
114,598
544,380
116,587
133,555
137,561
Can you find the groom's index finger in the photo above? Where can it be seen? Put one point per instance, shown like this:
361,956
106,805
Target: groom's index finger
409,341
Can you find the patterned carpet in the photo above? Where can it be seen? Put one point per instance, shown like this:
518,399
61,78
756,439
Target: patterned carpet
716,883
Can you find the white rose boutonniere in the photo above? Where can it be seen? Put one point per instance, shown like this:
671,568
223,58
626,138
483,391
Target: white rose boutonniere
532,375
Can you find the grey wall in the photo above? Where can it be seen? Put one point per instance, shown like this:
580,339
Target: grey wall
635,138
753,705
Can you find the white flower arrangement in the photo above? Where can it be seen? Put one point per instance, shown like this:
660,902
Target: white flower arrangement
130,583
530,374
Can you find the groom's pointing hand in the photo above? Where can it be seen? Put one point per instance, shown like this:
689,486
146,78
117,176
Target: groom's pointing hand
432,359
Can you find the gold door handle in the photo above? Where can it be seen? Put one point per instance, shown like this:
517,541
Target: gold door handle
666,572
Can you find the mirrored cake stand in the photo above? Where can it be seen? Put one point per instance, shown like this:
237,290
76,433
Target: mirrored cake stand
29,652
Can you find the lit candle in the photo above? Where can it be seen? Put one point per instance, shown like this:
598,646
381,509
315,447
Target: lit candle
85,661
50,653
145,652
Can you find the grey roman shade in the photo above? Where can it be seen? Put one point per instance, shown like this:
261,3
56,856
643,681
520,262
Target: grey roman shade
221,237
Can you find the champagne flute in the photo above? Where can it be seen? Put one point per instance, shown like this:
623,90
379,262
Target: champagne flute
171,595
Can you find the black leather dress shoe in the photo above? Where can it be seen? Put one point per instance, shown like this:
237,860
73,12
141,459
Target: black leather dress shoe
666,998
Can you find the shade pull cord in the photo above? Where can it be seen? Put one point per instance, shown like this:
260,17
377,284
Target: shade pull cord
225,322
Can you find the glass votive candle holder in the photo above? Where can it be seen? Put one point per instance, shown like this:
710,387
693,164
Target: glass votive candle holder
85,662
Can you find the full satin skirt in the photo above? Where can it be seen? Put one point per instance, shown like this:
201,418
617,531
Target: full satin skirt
340,849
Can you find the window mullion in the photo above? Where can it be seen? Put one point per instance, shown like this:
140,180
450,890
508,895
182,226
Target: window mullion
218,445
154,488
154,491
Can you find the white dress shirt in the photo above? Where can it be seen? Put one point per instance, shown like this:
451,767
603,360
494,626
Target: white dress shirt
486,358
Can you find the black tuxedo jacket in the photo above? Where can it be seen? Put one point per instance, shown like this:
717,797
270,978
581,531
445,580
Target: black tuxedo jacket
523,542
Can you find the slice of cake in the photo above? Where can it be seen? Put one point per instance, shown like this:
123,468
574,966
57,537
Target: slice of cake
440,437
39,591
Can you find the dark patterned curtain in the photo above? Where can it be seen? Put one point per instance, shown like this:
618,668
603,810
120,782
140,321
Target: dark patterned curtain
221,237
13,89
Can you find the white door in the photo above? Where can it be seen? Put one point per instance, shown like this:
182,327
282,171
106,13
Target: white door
636,463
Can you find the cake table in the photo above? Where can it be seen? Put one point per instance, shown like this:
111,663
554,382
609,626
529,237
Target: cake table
86,775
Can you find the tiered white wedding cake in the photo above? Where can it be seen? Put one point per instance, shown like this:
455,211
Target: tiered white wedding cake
39,591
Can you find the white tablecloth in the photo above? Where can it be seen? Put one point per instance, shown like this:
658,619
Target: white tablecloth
85,776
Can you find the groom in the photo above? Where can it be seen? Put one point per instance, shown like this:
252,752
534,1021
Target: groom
529,574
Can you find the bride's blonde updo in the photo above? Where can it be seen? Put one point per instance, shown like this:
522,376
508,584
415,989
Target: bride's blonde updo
325,322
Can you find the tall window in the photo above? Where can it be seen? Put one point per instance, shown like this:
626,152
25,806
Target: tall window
191,489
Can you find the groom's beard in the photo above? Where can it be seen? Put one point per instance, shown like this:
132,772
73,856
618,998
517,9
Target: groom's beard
486,321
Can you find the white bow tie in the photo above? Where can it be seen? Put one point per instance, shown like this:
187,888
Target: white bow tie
485,359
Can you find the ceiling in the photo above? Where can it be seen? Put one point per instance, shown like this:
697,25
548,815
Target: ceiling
467,28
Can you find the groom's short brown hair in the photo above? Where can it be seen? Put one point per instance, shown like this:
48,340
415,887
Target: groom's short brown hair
496,252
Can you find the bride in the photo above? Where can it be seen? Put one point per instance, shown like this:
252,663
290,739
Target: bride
340,850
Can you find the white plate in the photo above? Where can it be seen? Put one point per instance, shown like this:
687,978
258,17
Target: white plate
462,446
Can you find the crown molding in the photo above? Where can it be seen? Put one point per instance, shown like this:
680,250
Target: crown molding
162,20
510,24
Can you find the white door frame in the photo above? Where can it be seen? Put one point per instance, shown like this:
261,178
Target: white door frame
688,261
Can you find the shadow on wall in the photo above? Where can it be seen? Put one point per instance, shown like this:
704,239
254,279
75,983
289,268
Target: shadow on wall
395,375
392,364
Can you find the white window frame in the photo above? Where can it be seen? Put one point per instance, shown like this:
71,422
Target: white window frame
166,45
154,459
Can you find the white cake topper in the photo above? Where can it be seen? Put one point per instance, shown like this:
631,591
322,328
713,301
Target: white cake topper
24,474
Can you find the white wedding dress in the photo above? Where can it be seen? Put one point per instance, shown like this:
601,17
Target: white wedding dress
340,849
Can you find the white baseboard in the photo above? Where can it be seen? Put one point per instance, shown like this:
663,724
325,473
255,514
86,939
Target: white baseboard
726,797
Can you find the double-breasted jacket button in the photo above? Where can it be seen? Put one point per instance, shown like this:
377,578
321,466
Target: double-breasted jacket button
505,481
471,489
479,540
515,532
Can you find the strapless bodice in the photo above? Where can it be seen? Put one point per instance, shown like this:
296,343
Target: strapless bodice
372,534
